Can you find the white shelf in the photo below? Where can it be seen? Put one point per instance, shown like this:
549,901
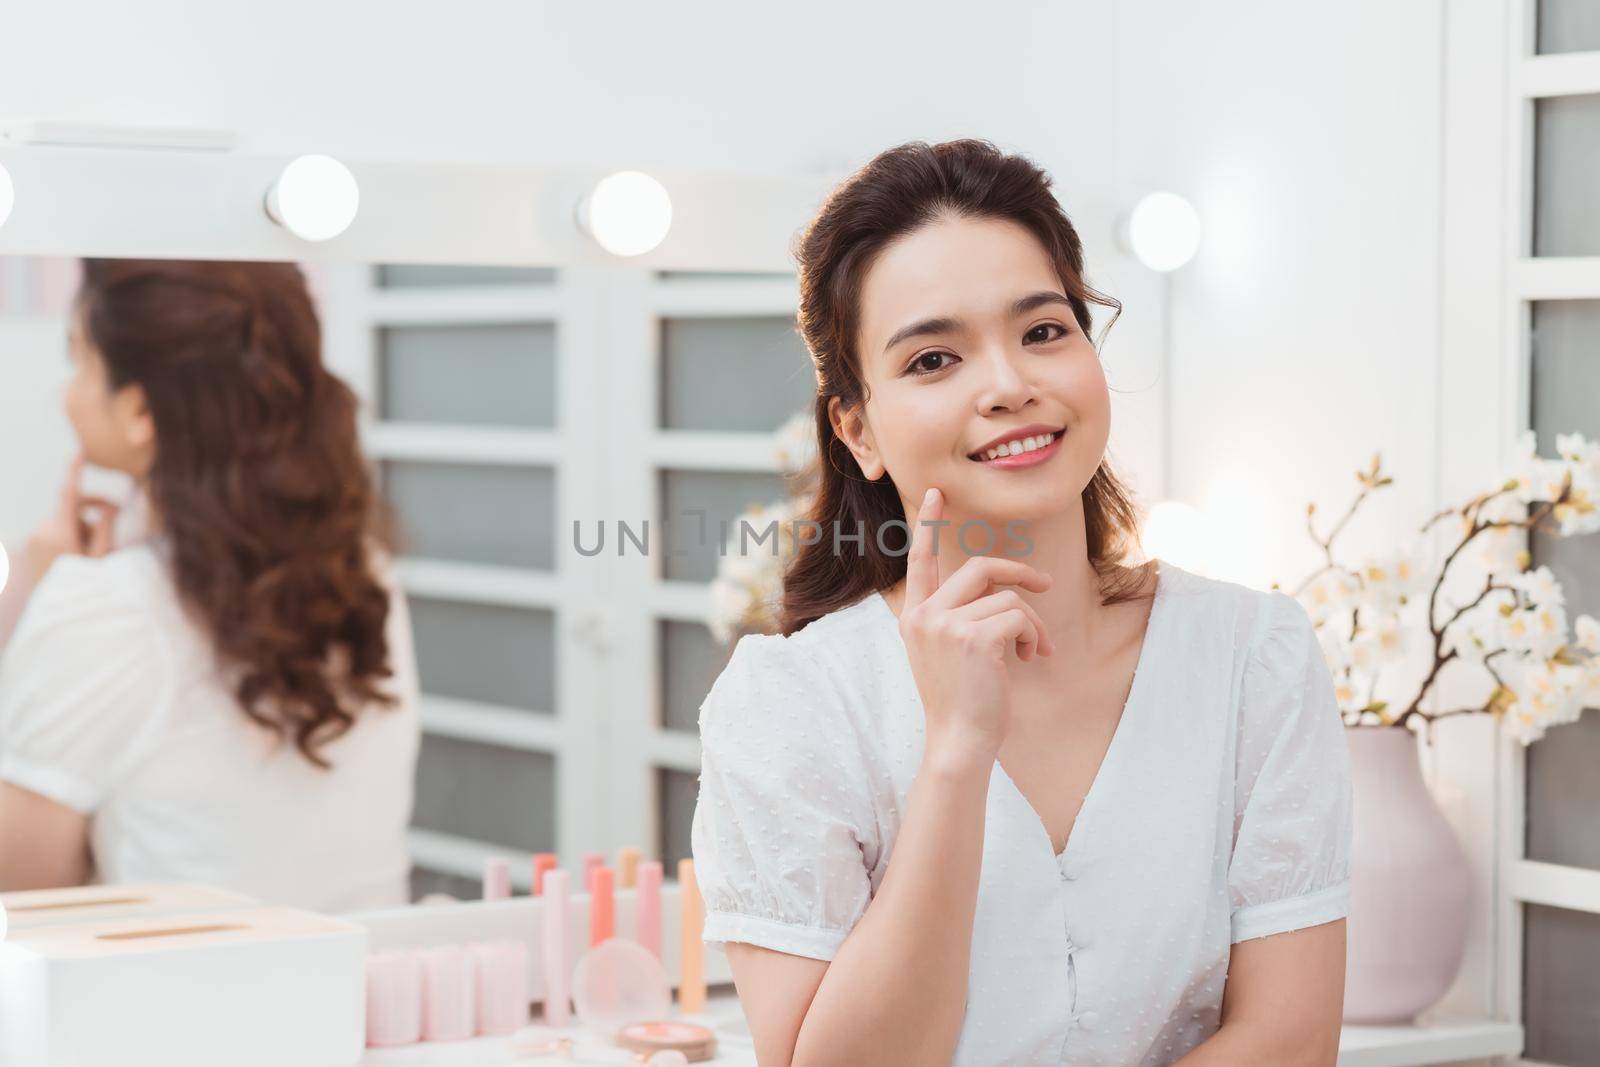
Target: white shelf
1422,1046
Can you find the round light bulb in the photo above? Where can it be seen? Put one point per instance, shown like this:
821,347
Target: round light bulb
8,195
1180,534
1164,231
315,198
628,213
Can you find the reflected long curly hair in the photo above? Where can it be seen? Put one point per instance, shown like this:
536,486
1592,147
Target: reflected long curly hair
258,482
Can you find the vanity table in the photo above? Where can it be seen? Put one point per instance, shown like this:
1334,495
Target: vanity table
1359,1046
722,1015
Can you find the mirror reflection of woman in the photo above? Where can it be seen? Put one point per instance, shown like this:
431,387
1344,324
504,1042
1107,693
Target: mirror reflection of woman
230,697
1008,800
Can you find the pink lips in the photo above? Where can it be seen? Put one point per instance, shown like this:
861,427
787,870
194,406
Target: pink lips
1027,459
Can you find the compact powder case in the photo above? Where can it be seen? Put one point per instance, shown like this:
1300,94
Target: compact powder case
694,1041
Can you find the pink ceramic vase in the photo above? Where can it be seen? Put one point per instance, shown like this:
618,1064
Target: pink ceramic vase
1410,885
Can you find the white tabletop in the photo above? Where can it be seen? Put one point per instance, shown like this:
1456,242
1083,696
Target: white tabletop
722,1016
1360,1046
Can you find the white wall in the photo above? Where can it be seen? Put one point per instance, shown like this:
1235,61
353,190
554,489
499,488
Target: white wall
716,85
1305,331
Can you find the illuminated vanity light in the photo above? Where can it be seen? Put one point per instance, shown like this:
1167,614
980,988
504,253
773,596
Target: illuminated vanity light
315,198
1163,231
627,213
8,197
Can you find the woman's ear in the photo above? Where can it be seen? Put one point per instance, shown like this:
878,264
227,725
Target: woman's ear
136,426
850,426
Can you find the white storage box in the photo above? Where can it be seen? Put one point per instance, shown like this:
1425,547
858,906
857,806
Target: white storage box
34,908
255,987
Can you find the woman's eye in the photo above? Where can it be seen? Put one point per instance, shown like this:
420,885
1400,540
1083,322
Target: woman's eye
1045,332
920,364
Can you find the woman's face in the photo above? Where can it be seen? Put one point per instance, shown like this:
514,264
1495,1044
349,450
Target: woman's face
114,427
966,336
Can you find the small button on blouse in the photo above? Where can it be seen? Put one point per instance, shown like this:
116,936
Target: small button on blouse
1221,812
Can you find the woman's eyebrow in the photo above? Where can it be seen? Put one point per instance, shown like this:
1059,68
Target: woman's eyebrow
923,328
1038,300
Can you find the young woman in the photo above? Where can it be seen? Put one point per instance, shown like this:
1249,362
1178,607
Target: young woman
1026,804
230,699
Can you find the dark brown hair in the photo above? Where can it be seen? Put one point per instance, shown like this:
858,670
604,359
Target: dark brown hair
257,482
898,192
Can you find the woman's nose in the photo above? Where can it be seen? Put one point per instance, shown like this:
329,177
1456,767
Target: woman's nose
1005,387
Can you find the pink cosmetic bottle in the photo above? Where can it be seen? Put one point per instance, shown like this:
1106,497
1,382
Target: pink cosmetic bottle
692,988
496,878
449,1005
557,975
628,867
602,905
394,998
647,922
542,863
592,861
500,974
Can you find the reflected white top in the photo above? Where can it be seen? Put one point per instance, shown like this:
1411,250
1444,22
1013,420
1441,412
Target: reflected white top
111,704
1222,812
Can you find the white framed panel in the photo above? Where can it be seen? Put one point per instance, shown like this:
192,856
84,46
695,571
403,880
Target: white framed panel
167,203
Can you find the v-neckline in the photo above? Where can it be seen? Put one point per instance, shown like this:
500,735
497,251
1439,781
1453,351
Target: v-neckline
1130,707
1164,575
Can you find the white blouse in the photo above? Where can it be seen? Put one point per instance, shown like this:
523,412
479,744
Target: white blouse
1222,812
111,704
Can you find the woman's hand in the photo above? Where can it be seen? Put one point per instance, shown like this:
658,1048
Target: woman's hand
80,526
958,636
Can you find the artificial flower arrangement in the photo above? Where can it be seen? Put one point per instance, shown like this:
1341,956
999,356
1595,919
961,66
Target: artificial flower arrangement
1513,629
747,588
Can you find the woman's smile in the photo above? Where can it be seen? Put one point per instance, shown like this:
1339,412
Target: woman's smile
1021,452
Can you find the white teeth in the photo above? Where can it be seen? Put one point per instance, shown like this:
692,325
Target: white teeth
1017,447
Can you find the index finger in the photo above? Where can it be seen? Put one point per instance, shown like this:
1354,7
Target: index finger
922,567
975,577
69,500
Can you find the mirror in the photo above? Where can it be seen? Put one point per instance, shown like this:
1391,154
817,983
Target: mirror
500,406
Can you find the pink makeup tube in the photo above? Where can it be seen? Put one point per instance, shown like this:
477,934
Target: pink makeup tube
500,974
592,861
602,905
542,862
647,926
496,878
628,867
692,988
394,999
557,976
449,1006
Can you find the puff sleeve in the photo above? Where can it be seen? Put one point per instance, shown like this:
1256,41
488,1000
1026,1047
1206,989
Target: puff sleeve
784,833
83,683
1290,866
